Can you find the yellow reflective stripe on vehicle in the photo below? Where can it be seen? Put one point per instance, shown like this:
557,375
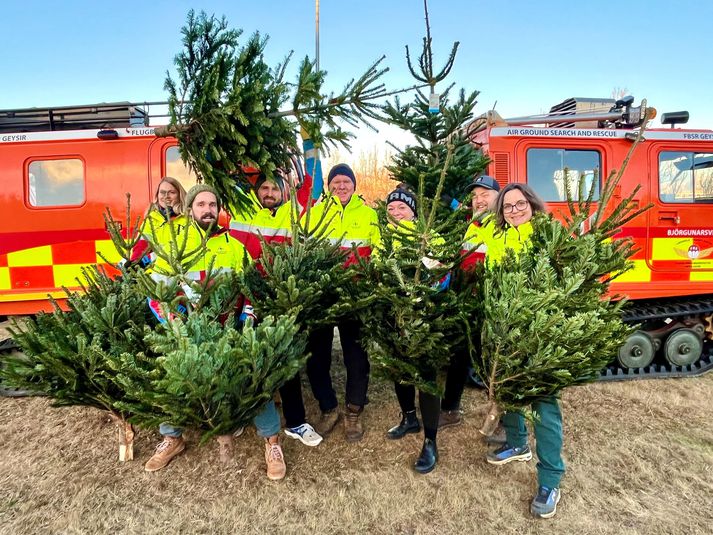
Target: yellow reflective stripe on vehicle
108,251
36,256
701,276
34,296
639,273
4,278
670,248
67,274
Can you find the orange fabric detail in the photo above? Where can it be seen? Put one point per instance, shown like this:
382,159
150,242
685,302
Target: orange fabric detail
3,260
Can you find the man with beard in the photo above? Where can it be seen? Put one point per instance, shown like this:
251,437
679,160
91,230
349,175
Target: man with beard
271,221
223,252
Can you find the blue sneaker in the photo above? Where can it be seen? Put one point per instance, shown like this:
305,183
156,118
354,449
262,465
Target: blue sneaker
506,454
544,504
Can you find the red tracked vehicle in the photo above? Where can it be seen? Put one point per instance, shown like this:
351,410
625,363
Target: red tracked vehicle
671,284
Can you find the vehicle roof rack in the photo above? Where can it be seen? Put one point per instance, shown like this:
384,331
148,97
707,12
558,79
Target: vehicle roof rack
88,117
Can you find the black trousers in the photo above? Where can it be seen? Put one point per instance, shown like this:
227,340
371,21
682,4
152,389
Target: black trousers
293,407
430,407
455,380
355,361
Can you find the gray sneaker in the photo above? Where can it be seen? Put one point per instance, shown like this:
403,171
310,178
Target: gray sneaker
507,454
544,504
305,433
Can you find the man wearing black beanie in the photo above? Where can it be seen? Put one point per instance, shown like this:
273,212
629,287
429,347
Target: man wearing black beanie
346,219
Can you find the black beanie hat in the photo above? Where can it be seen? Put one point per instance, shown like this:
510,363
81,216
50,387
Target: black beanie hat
341,169
404,196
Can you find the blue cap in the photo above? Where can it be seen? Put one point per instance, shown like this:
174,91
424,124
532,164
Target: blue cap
483,181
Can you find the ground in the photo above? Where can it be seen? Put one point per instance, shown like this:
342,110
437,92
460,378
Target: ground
639,460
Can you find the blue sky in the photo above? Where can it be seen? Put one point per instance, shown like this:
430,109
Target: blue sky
527,56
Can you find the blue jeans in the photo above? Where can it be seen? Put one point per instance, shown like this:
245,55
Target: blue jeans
267,423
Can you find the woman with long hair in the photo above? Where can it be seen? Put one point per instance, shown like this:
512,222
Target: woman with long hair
169,204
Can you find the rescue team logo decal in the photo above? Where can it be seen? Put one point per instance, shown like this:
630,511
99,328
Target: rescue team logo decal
694,251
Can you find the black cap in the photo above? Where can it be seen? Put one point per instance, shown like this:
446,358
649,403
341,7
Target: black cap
483,181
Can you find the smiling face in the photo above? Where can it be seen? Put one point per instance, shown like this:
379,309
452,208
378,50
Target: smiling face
343,187
167,195
516,208
269,194
204,209
483,200
400,211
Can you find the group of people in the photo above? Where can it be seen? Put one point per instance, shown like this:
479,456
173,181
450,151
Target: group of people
500,221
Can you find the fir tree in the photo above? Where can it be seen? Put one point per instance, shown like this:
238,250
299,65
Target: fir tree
548,321
412,325
229,109
74,355
216,377
305,276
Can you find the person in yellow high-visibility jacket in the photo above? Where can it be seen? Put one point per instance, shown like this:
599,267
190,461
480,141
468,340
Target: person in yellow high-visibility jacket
223,252
168,205
270,219
349,222
515,207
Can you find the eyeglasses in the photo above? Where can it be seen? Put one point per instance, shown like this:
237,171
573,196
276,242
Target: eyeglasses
518,206
166,193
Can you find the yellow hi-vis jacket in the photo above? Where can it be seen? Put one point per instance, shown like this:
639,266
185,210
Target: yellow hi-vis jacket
509,238
154,220
355,224
248,226
225,252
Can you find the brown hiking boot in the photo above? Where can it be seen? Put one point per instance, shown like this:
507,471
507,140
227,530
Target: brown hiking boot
274,458
450,419
327,421
353,429
165,451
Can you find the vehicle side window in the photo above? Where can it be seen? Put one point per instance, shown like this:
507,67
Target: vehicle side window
550,171
177,169
685,177
55,183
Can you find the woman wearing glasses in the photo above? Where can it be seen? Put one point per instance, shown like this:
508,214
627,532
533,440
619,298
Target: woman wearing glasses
514,209
168,205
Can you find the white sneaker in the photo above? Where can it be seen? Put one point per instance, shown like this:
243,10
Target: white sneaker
305,433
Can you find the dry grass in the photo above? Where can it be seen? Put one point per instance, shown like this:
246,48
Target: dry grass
640,460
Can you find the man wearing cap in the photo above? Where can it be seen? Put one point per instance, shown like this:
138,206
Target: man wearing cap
348,221
485,191
223,252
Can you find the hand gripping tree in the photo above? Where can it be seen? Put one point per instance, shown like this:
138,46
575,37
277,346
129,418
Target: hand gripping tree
413,321
548,321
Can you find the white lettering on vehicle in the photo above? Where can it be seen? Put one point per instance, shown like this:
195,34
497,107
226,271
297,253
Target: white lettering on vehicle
14,137
689,232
